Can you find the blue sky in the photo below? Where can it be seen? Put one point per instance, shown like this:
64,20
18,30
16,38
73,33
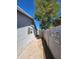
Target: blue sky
29,7
59,13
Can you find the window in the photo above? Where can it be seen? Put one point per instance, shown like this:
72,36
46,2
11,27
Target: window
29,30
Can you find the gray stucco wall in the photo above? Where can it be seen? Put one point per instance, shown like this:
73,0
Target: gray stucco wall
23,20
53,40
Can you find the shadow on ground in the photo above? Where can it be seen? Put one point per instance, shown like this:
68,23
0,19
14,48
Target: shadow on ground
47,51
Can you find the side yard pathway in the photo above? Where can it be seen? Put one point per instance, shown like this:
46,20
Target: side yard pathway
34,50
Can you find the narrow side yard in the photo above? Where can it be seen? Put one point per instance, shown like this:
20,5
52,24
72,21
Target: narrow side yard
34,50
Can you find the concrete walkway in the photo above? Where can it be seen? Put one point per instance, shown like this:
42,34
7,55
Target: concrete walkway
34,50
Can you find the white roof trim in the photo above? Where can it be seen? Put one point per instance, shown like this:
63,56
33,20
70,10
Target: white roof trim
25,13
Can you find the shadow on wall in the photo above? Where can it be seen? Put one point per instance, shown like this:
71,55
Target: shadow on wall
53,41
47,51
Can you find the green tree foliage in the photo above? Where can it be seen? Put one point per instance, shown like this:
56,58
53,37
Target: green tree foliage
57,21
46,10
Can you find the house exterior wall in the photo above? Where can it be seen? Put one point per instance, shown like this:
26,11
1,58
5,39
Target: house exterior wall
23,20
25,31
24,36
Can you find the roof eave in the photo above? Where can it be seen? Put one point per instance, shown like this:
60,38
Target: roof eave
22,11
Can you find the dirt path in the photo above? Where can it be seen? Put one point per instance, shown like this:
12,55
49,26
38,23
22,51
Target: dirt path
34,50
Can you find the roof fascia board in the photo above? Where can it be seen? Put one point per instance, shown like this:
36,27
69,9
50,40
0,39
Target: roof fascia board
22,11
